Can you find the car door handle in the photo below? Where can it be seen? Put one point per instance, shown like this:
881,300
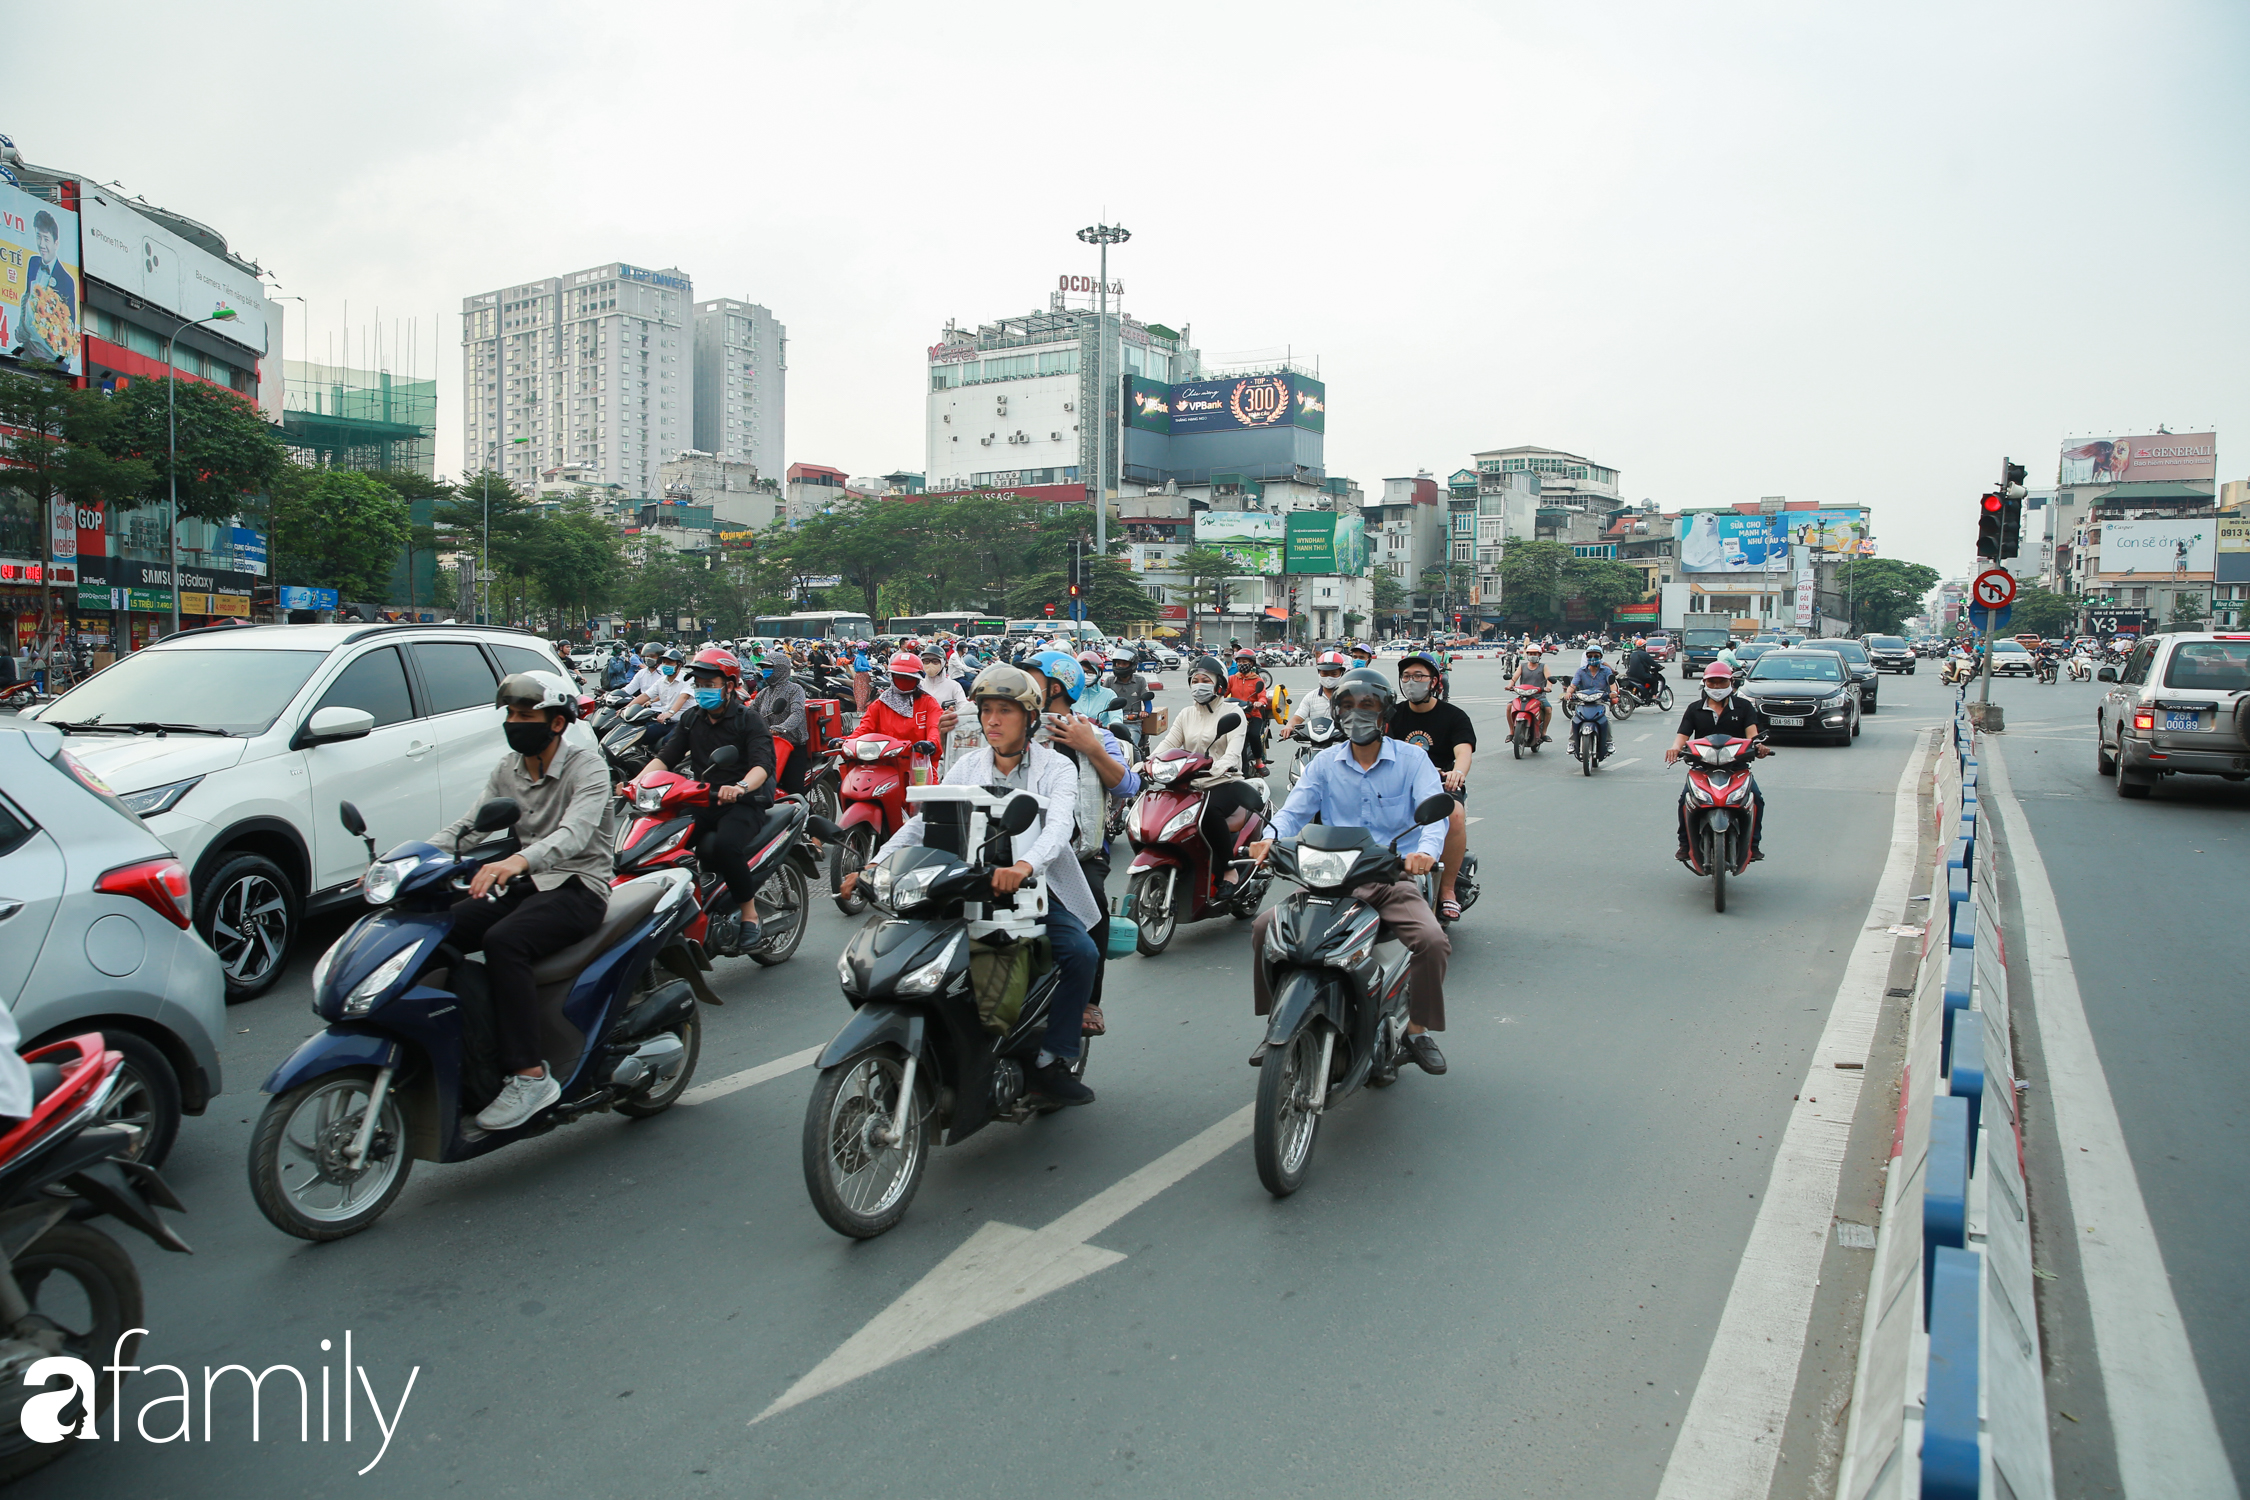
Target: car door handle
416,749
9,908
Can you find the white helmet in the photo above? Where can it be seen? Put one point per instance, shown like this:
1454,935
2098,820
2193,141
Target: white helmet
545,691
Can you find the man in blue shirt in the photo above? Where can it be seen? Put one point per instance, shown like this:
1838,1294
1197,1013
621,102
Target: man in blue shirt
1375,782
1597,676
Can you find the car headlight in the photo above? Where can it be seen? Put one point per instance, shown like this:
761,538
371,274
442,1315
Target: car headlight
1325,867
364,994
1833,700
1181,822
158,799
381,882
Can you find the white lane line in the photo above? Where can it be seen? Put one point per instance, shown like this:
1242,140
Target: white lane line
1730,1439
719,1088
2159,1414
1003,1267
1630,760
1478,819
1639,737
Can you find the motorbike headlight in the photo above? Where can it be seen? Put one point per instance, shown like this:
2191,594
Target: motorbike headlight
868,749
364,994
1181,822
381,883
1325,868
648,799
928,978
158,799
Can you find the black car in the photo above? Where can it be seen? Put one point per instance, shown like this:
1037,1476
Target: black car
1803,690
1856,662
1889,653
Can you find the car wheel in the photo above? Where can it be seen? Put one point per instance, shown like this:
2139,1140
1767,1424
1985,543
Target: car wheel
2105,764
247,912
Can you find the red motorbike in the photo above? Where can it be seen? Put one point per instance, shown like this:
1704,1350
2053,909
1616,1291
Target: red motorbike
1720,811
1172,880
878,768
662,834
1524,712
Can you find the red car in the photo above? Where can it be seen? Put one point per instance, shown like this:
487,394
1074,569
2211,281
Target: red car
1660,647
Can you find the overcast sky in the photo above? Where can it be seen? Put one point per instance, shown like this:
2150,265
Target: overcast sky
1843,254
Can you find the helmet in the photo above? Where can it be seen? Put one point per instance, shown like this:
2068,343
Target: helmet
714,659
1427,659
1532,649
1246,654
1640,640
1210,664
1063,670
675,654
905,664
1118,654
547,692
1360,648
1092,661
1718,670
1011,683
1366,680
1593,650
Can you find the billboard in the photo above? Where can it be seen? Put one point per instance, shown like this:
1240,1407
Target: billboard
1252,538
1319,541
1825,530
1733,543
41,302
1249,402
2158,549
1148,404
140,257
2187,456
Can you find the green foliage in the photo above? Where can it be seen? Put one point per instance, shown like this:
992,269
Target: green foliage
2187,612
227,451
1531,580
1112,598
339,529
1601,584
2040,609
1883,591
1391,597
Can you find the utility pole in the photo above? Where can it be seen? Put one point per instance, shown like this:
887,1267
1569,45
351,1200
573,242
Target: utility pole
1104,235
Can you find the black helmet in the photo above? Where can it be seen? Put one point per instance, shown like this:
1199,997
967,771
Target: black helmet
1210,664
1365,680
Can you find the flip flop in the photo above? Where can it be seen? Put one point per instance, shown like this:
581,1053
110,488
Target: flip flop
1093,1024
1449,911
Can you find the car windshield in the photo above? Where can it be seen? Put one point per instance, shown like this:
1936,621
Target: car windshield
1886,643
2005,648
1752,651
2215,666
1782,667
1851,651
239,692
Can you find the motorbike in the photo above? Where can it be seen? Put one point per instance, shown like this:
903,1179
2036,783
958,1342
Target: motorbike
1720,808
1339,999
878,770
2048,669
632,739
408,1056
661,836
2081,669
1319,733
1632,695
606,710
1524,710
1588,708
922,1055
67,1289
1171,879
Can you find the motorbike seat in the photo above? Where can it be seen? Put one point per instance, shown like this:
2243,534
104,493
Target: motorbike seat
629,905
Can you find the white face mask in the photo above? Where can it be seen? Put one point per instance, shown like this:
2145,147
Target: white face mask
1203,692
1719,694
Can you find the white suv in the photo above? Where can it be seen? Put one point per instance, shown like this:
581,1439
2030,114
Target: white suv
235,744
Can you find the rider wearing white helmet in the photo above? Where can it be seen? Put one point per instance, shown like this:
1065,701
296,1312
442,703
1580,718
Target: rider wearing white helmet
1533,673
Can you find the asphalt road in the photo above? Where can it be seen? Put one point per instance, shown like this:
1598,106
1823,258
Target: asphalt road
1500,1281
2159,971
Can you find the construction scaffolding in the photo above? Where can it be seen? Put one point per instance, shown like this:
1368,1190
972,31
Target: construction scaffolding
338,418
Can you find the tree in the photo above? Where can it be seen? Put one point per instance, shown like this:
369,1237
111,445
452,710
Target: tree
576,557
1112,598
2042,610
2187,612
1531,579
866,543
338,529
1391,596
487,503
1601,584
1207,569
227,452
1883,591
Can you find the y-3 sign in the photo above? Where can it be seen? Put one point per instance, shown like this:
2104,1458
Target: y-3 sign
1995,588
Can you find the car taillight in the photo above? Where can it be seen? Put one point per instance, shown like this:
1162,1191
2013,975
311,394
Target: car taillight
160,884
2144,719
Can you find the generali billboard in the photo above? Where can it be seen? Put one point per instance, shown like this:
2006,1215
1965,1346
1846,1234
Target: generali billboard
2175,456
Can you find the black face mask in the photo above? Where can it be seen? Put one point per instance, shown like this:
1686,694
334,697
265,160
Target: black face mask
528,739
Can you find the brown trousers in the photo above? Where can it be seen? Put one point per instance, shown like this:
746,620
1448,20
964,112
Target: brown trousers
1417,927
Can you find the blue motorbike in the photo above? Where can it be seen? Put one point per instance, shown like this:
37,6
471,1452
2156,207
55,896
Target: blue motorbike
1589,716
409,1053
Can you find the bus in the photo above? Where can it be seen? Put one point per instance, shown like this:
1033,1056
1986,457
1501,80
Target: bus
1085,632
954,622
824,625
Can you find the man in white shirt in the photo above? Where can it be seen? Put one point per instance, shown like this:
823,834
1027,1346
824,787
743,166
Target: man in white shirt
662,683
1009,704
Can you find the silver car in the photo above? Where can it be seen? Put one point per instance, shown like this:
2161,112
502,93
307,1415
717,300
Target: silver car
96,935
2177,707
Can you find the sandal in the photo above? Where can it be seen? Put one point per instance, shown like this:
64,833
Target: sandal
1449,911
1093,1024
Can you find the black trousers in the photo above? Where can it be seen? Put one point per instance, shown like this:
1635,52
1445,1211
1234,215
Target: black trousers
733,833
1218,805
515,931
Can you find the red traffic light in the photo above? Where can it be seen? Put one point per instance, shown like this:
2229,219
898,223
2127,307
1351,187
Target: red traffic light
1991,503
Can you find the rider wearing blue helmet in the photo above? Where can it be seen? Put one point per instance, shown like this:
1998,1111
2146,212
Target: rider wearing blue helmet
1102,772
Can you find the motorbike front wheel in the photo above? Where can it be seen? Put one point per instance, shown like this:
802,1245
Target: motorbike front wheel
1521,737
1282,1135
786,898
847,856
298,1174
81,1284
1151,899
861,1184
1589,748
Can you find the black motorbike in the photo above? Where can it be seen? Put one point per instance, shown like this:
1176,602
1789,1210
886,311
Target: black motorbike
631,740
1339,1007
1632,695
921,1055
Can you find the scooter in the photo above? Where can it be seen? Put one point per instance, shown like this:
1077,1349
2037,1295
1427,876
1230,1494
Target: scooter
407,1059
1720,810
1339,1001
1171,879
928,1049
1588,710
631,741
1319,733
661,836
878,769
68,1290
1524,713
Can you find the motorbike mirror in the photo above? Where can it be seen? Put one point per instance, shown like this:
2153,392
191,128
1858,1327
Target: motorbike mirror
499,813
354,824
1433,809
1018,813
724,756
1230,723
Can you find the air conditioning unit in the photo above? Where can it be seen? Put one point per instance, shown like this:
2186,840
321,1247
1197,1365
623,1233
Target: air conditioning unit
1070,406
949,417
985,441
1056,436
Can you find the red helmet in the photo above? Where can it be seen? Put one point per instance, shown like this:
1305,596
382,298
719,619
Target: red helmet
905,664
712,659
1333,659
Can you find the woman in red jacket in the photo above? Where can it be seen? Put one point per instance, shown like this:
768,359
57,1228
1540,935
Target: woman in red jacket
903,710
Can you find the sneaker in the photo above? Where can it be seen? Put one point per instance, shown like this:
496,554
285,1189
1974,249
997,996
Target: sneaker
1054,1083
520,1098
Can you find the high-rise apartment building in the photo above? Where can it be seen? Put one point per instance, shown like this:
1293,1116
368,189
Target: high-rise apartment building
590,369
741,370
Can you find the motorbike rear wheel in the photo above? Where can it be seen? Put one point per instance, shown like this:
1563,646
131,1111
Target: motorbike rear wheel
297,1170
861,1186
1282,1136
785,893
657,1100
820,800
847,856
1151,898
82,1282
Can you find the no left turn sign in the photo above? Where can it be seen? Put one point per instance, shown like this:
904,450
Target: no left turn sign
1995,588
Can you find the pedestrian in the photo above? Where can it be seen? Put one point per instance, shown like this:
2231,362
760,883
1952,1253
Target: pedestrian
862,677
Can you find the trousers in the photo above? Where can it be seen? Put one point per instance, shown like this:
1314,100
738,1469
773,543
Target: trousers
515,931
732,833
1077,959
1410,917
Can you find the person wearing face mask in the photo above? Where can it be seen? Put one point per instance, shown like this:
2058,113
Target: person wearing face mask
1721,711
1229,799
1596,676
780,702
1533,673
1131,695
552,892
1103,776
1375,782
903,710
1444,733
1330,669
741,793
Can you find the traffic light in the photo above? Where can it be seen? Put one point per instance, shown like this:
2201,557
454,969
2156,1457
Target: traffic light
2011,509
1988,527
1077,571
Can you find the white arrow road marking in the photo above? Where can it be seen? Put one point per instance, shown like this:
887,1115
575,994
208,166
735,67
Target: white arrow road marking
719,1088
1002,1267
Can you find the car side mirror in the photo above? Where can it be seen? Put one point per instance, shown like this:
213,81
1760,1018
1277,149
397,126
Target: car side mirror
1230,723
2105,674
333,723
354,824
1018,813
1433,809
499,813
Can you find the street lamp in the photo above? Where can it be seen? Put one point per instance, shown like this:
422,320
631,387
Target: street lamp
1104,235
172,451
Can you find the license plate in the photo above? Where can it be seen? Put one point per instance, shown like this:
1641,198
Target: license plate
2190,720
1778,721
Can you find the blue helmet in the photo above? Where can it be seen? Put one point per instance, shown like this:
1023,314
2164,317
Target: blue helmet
1063,670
